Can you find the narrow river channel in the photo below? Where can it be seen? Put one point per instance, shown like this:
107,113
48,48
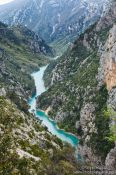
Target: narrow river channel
50,124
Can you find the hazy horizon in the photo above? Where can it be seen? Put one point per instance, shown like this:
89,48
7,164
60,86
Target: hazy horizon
5,1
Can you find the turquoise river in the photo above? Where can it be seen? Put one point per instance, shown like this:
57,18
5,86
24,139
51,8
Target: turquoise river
50,124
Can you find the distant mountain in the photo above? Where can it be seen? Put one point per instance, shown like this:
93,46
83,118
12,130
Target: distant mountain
53,19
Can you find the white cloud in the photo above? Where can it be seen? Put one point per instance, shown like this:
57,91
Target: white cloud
5,1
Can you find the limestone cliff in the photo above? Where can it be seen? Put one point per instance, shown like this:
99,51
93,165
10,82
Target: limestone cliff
108,61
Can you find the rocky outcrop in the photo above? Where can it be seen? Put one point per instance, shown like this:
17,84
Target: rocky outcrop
87,155
112,99
87,121
111,160
108,18
25,154
2,92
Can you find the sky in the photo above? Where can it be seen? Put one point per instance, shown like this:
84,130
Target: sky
5,1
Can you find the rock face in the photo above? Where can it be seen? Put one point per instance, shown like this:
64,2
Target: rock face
108,60
52,18
82,84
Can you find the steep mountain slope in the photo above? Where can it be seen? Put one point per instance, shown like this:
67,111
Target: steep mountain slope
55,20
26,147
82,90
21,52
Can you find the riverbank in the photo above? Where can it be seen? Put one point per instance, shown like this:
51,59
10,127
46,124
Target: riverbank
46,113
57,124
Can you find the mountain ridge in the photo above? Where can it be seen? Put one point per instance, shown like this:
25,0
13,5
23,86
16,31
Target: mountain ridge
55,25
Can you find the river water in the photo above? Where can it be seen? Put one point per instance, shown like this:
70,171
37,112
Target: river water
50,124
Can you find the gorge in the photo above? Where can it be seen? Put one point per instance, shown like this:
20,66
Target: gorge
58,94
